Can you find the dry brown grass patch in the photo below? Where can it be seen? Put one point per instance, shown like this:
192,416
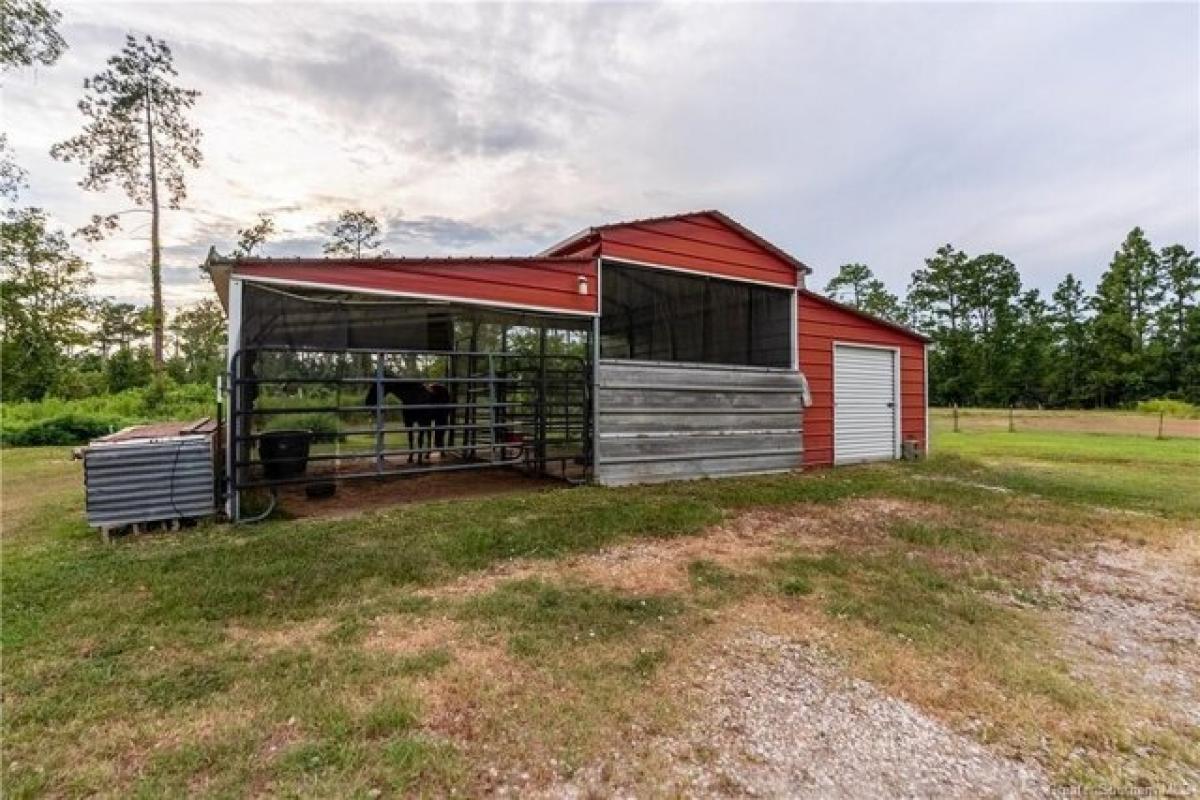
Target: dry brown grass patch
661,566
306,633
126,746
406,634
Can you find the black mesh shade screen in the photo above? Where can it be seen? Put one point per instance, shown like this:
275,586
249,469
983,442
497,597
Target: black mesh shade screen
272,317
657,315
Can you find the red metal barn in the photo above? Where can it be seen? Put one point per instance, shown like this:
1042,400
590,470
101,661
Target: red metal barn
700,353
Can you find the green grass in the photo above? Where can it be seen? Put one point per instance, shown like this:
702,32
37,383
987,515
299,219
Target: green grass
1121,472
903,596
138,631
946,537
115,656
1172,408
1092,448
715,583
539,617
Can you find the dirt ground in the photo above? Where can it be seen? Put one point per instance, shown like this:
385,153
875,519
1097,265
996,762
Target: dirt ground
1113,422
355,496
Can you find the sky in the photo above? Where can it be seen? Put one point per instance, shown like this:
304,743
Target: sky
841,132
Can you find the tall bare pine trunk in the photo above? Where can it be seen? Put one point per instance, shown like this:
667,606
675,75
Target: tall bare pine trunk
156,300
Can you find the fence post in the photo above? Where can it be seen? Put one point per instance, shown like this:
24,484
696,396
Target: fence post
543,400
1161,416
379,412
956,417
1012,425
236,399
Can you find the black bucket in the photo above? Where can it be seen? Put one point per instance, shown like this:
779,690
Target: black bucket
284,454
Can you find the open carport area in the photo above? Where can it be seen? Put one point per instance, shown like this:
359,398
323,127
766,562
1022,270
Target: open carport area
353,380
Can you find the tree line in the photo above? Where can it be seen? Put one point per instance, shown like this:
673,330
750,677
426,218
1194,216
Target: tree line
1136,336
61,340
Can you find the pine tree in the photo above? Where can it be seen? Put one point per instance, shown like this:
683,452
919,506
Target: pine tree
29,34
1179,321
1033,350
353,232
993,286
1126,305
1072,336
857,286
938,299
254,236
137,136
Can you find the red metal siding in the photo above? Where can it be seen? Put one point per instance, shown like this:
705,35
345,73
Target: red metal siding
548,283
821,323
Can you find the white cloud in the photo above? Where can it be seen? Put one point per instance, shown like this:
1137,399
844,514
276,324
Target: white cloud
843,132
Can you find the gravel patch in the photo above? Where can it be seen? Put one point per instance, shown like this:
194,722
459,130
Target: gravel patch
1132,622
783,720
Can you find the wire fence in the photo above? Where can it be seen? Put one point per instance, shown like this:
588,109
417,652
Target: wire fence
1130,423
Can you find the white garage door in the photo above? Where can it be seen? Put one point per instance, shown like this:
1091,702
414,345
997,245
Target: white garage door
865,407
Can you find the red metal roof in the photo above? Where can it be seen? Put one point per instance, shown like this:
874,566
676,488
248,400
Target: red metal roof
559,285
562,280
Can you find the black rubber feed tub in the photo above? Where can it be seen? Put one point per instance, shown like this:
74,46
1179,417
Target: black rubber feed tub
284,454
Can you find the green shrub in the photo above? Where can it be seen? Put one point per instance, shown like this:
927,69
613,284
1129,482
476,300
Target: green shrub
1172,408
56,421
64,429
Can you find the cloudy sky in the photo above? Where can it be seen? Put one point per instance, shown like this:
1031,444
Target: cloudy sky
869,132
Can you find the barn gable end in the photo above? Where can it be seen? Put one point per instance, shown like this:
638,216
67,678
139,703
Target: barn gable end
704,241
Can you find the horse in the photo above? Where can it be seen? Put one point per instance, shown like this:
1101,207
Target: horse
425,407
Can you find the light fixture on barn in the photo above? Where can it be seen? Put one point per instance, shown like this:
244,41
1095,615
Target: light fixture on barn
583,284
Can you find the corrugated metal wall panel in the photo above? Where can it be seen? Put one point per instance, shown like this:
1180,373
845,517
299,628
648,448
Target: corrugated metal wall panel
149,480
659,422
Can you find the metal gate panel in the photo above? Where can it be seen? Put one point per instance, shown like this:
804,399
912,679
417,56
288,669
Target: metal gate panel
865,404
500,409
661,421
